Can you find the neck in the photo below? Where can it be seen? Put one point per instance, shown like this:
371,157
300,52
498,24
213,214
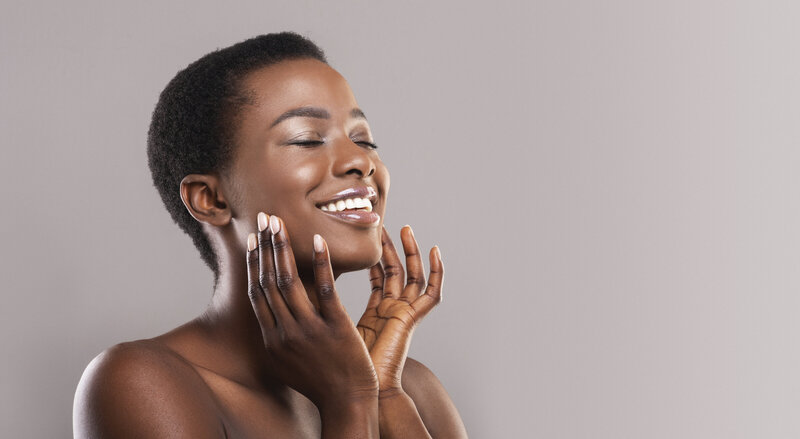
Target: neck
230,323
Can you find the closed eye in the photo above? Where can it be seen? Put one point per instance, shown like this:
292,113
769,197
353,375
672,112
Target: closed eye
367,144
307,142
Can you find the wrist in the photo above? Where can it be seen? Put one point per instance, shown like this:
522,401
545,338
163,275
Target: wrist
352,417
393,392
398,416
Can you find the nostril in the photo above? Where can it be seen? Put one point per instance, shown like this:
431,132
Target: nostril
355,171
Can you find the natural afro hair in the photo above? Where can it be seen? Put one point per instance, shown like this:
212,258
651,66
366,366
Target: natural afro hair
193,124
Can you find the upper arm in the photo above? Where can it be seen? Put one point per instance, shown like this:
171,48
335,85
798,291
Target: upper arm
132,390
434,405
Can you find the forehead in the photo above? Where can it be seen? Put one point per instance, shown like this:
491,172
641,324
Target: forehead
298,83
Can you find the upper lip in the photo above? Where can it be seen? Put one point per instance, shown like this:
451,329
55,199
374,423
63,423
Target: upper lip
367,192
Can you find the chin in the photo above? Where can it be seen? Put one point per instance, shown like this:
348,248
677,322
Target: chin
354,256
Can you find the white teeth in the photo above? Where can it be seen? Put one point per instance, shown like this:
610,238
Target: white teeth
350,203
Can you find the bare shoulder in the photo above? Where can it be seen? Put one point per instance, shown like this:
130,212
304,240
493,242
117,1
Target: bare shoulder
143,389
435,407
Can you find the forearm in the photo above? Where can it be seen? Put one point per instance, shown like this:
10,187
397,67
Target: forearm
353,420
399,418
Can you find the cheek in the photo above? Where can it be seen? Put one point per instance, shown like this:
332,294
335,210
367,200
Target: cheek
287,183
305,175
383,182
287,195
382,173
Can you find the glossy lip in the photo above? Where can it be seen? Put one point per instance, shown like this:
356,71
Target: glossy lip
355,216
367,192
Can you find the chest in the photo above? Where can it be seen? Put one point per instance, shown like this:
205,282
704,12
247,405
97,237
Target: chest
250,414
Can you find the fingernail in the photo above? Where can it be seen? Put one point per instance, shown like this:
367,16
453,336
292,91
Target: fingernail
274,225
262,221
251,242
318,243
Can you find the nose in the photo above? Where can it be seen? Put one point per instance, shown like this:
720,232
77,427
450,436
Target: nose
353,159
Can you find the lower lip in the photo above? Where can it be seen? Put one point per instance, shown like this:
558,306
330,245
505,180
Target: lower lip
361,217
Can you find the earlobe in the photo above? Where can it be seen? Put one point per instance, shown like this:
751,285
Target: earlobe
203,198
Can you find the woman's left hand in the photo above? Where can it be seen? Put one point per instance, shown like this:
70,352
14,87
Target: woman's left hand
397,305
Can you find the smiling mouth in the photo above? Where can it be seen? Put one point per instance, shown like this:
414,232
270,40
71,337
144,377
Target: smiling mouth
353,205
348,204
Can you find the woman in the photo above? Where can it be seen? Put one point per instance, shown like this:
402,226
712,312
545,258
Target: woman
263,157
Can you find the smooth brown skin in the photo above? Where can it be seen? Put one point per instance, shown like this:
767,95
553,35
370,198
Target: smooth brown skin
274,355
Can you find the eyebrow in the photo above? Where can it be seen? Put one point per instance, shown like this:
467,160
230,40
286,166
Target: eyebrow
356,113
315,112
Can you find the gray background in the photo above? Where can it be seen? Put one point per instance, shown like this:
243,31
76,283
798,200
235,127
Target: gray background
614,186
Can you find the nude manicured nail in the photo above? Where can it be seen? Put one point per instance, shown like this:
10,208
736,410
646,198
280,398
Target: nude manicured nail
274,224
251,242
318,244
262,221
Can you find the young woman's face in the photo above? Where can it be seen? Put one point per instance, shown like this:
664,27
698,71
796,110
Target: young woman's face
303,145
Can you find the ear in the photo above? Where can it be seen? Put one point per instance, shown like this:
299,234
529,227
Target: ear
203,197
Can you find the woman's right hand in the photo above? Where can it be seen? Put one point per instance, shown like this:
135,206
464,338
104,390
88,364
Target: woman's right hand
318,353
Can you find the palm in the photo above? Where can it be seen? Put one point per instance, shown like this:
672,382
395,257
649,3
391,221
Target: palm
375,319
396,305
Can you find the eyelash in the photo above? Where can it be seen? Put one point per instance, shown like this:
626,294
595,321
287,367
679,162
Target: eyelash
369,144
307,143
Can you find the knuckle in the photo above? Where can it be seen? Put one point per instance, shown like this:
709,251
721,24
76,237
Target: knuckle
291,339
393,271
284,281
341,329
435,292
272,339
325,291
266,279
280,245
253,293
320,262
414,280
264,242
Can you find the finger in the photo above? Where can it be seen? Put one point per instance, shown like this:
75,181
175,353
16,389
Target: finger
376,284
287,279
266,274
257,298
433,292
329,305
392,268
415,271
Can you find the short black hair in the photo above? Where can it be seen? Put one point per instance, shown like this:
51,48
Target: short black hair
194,121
